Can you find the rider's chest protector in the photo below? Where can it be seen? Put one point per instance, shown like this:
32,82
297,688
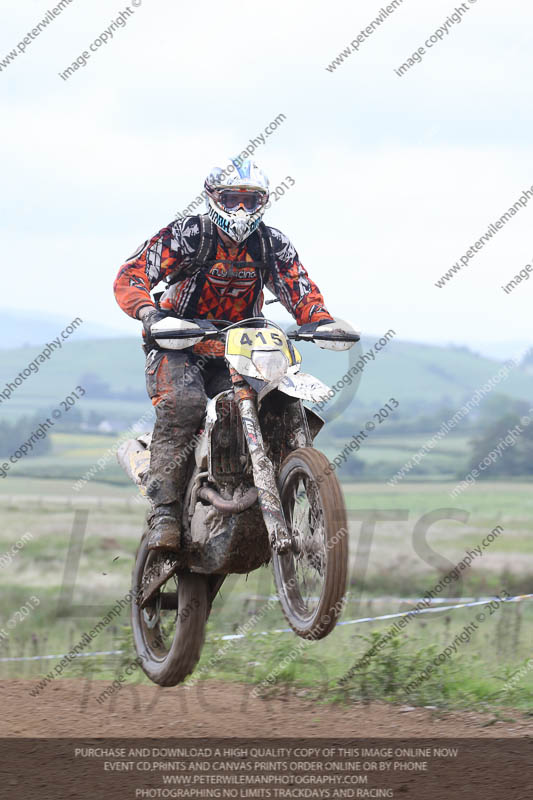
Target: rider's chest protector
214,286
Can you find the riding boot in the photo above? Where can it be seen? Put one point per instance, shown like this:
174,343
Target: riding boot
167,479
165,527
171,450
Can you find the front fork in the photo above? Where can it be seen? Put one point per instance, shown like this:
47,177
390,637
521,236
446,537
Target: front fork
263,470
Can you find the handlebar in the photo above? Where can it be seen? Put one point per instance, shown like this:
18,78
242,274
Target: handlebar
323,337
191,333
195,333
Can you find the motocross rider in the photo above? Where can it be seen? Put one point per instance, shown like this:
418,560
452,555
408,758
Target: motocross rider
228,286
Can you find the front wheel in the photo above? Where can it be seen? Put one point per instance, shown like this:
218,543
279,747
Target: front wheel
311,576
169,632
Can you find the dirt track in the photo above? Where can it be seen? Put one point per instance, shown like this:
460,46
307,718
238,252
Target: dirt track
68,708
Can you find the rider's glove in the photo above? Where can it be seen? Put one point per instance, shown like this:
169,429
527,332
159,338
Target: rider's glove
150,317
335,335
311,327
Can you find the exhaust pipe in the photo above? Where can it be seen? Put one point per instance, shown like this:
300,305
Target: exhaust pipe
228,507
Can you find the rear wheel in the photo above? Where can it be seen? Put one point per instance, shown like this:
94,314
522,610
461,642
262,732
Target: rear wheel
169,632
311,577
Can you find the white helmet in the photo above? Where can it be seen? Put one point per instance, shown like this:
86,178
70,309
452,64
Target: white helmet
236,199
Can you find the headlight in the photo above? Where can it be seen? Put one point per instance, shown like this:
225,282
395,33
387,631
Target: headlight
272,365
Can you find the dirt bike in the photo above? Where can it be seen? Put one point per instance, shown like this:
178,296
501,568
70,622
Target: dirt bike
258,491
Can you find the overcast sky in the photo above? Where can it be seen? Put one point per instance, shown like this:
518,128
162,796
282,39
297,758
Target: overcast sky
396,177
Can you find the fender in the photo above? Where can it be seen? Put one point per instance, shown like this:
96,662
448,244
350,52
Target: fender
304,386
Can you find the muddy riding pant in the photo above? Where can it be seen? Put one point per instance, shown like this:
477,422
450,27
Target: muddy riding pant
179,385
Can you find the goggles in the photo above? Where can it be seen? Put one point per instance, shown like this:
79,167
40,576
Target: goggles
232,199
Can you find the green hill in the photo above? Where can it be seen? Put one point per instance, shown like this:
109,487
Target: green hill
421,377
424,379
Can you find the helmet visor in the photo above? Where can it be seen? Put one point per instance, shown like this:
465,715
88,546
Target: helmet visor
232,199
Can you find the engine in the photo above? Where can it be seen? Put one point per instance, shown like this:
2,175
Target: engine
227,451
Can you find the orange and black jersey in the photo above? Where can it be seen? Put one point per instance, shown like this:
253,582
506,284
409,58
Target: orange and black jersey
230,288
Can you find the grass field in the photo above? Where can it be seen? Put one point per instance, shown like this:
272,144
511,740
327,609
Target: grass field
388,566
73,454
387,454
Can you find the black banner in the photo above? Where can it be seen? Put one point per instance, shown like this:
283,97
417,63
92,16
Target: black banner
326,769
